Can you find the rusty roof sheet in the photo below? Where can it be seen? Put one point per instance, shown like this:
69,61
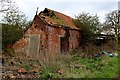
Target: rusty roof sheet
57,19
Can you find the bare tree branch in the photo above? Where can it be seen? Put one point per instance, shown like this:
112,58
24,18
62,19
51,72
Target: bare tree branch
7,5
110,23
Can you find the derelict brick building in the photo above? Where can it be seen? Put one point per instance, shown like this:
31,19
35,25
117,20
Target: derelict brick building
50,32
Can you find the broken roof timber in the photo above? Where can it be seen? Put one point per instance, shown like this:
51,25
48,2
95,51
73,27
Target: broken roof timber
57,19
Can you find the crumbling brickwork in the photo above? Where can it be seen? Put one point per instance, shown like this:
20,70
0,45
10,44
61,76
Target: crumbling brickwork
52,32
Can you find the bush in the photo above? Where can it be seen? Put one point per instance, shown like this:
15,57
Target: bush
89,25
10,34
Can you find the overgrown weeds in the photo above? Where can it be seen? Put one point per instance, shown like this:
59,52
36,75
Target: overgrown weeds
75,66
69,65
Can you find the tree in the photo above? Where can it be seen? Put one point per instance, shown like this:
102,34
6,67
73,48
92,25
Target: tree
89,24
12,15
7,5
14,23
15,18
111,24
10,34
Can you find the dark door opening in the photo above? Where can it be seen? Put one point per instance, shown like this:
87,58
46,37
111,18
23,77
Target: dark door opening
64,42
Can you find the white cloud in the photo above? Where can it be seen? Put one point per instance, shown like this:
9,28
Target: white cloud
68,7
75,0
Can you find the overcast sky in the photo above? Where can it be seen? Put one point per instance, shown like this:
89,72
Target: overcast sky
68,7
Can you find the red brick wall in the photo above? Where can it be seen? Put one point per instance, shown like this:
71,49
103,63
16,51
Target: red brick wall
74,39
49,37
54,43
54,39
21,45
38,27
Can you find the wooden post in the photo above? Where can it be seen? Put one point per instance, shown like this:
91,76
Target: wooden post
37,10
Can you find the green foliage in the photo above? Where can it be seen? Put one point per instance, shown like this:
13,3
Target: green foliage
102,67
15,18
14,22
10,34
88,24
49,73
76,67
26,67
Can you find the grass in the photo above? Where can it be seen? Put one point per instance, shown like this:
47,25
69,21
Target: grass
72,65
75,66
103,67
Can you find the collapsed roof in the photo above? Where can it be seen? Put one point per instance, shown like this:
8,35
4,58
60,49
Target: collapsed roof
57,19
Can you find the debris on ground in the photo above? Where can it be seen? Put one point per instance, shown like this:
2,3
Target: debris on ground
109,54
14,67
60,71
